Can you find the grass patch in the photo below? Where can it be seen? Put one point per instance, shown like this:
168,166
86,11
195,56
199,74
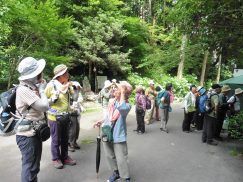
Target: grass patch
87,141
90,110
234,152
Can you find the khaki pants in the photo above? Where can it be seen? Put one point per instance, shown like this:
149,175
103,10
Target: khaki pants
149,113
117,157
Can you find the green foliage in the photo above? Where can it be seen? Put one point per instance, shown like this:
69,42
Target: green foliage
33,28
235,128
180,87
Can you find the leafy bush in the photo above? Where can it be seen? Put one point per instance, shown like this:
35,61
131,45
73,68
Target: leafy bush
235,128
180,87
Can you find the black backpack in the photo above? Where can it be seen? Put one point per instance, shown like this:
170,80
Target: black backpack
7,111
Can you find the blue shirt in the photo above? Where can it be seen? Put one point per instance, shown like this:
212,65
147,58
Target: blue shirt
120,129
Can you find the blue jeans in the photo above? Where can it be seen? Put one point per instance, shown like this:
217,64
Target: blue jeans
31,149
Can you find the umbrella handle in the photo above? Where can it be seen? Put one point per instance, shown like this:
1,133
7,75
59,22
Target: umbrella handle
99,131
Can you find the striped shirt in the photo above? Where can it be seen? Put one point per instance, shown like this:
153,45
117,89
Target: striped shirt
25,97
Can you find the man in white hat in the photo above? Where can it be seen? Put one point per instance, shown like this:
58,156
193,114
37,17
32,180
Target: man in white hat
31,103
105,94
75,114
58,92
151,93
234,101
222,109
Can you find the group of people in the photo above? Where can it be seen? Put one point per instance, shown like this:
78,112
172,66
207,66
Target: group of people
207,110
59,102
160,101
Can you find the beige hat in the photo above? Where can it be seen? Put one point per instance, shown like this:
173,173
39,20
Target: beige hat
139,88
238,91
29,67
59,70
225,88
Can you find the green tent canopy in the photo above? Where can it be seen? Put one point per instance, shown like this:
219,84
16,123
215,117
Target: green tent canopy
233,81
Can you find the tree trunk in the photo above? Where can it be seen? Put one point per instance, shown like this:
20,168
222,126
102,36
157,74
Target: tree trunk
12,66
182,57
90,71
219,68
150,10
204,68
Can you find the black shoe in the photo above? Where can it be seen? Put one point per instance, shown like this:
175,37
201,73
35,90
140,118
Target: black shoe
76,146
219,138
186,131
212,143
203,141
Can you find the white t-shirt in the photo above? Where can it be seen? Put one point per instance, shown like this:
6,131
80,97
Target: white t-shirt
234,99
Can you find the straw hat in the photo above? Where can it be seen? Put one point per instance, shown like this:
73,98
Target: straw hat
59,70
107,84
225,88
238,91
29,67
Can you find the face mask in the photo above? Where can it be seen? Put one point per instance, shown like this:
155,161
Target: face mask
33,80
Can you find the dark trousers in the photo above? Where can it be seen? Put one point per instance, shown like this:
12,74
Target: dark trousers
200,120
31,149
187,121
157,112
207,135
74,129
140,120
59,138
219,124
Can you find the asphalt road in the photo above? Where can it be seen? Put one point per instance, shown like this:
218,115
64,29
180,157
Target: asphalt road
153,157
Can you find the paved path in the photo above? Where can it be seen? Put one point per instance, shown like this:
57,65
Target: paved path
153,157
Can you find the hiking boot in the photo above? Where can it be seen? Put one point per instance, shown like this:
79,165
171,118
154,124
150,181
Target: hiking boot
219,138
212,143
69,161
57,164
115,176
71,148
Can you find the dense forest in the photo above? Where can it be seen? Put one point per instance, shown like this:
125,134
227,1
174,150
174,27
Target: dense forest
180,41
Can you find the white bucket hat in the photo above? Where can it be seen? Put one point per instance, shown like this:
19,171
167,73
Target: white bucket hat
151,82
29,67
107,84
76,83
59,70
238,91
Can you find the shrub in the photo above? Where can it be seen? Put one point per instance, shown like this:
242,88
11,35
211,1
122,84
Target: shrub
235,128
180,87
